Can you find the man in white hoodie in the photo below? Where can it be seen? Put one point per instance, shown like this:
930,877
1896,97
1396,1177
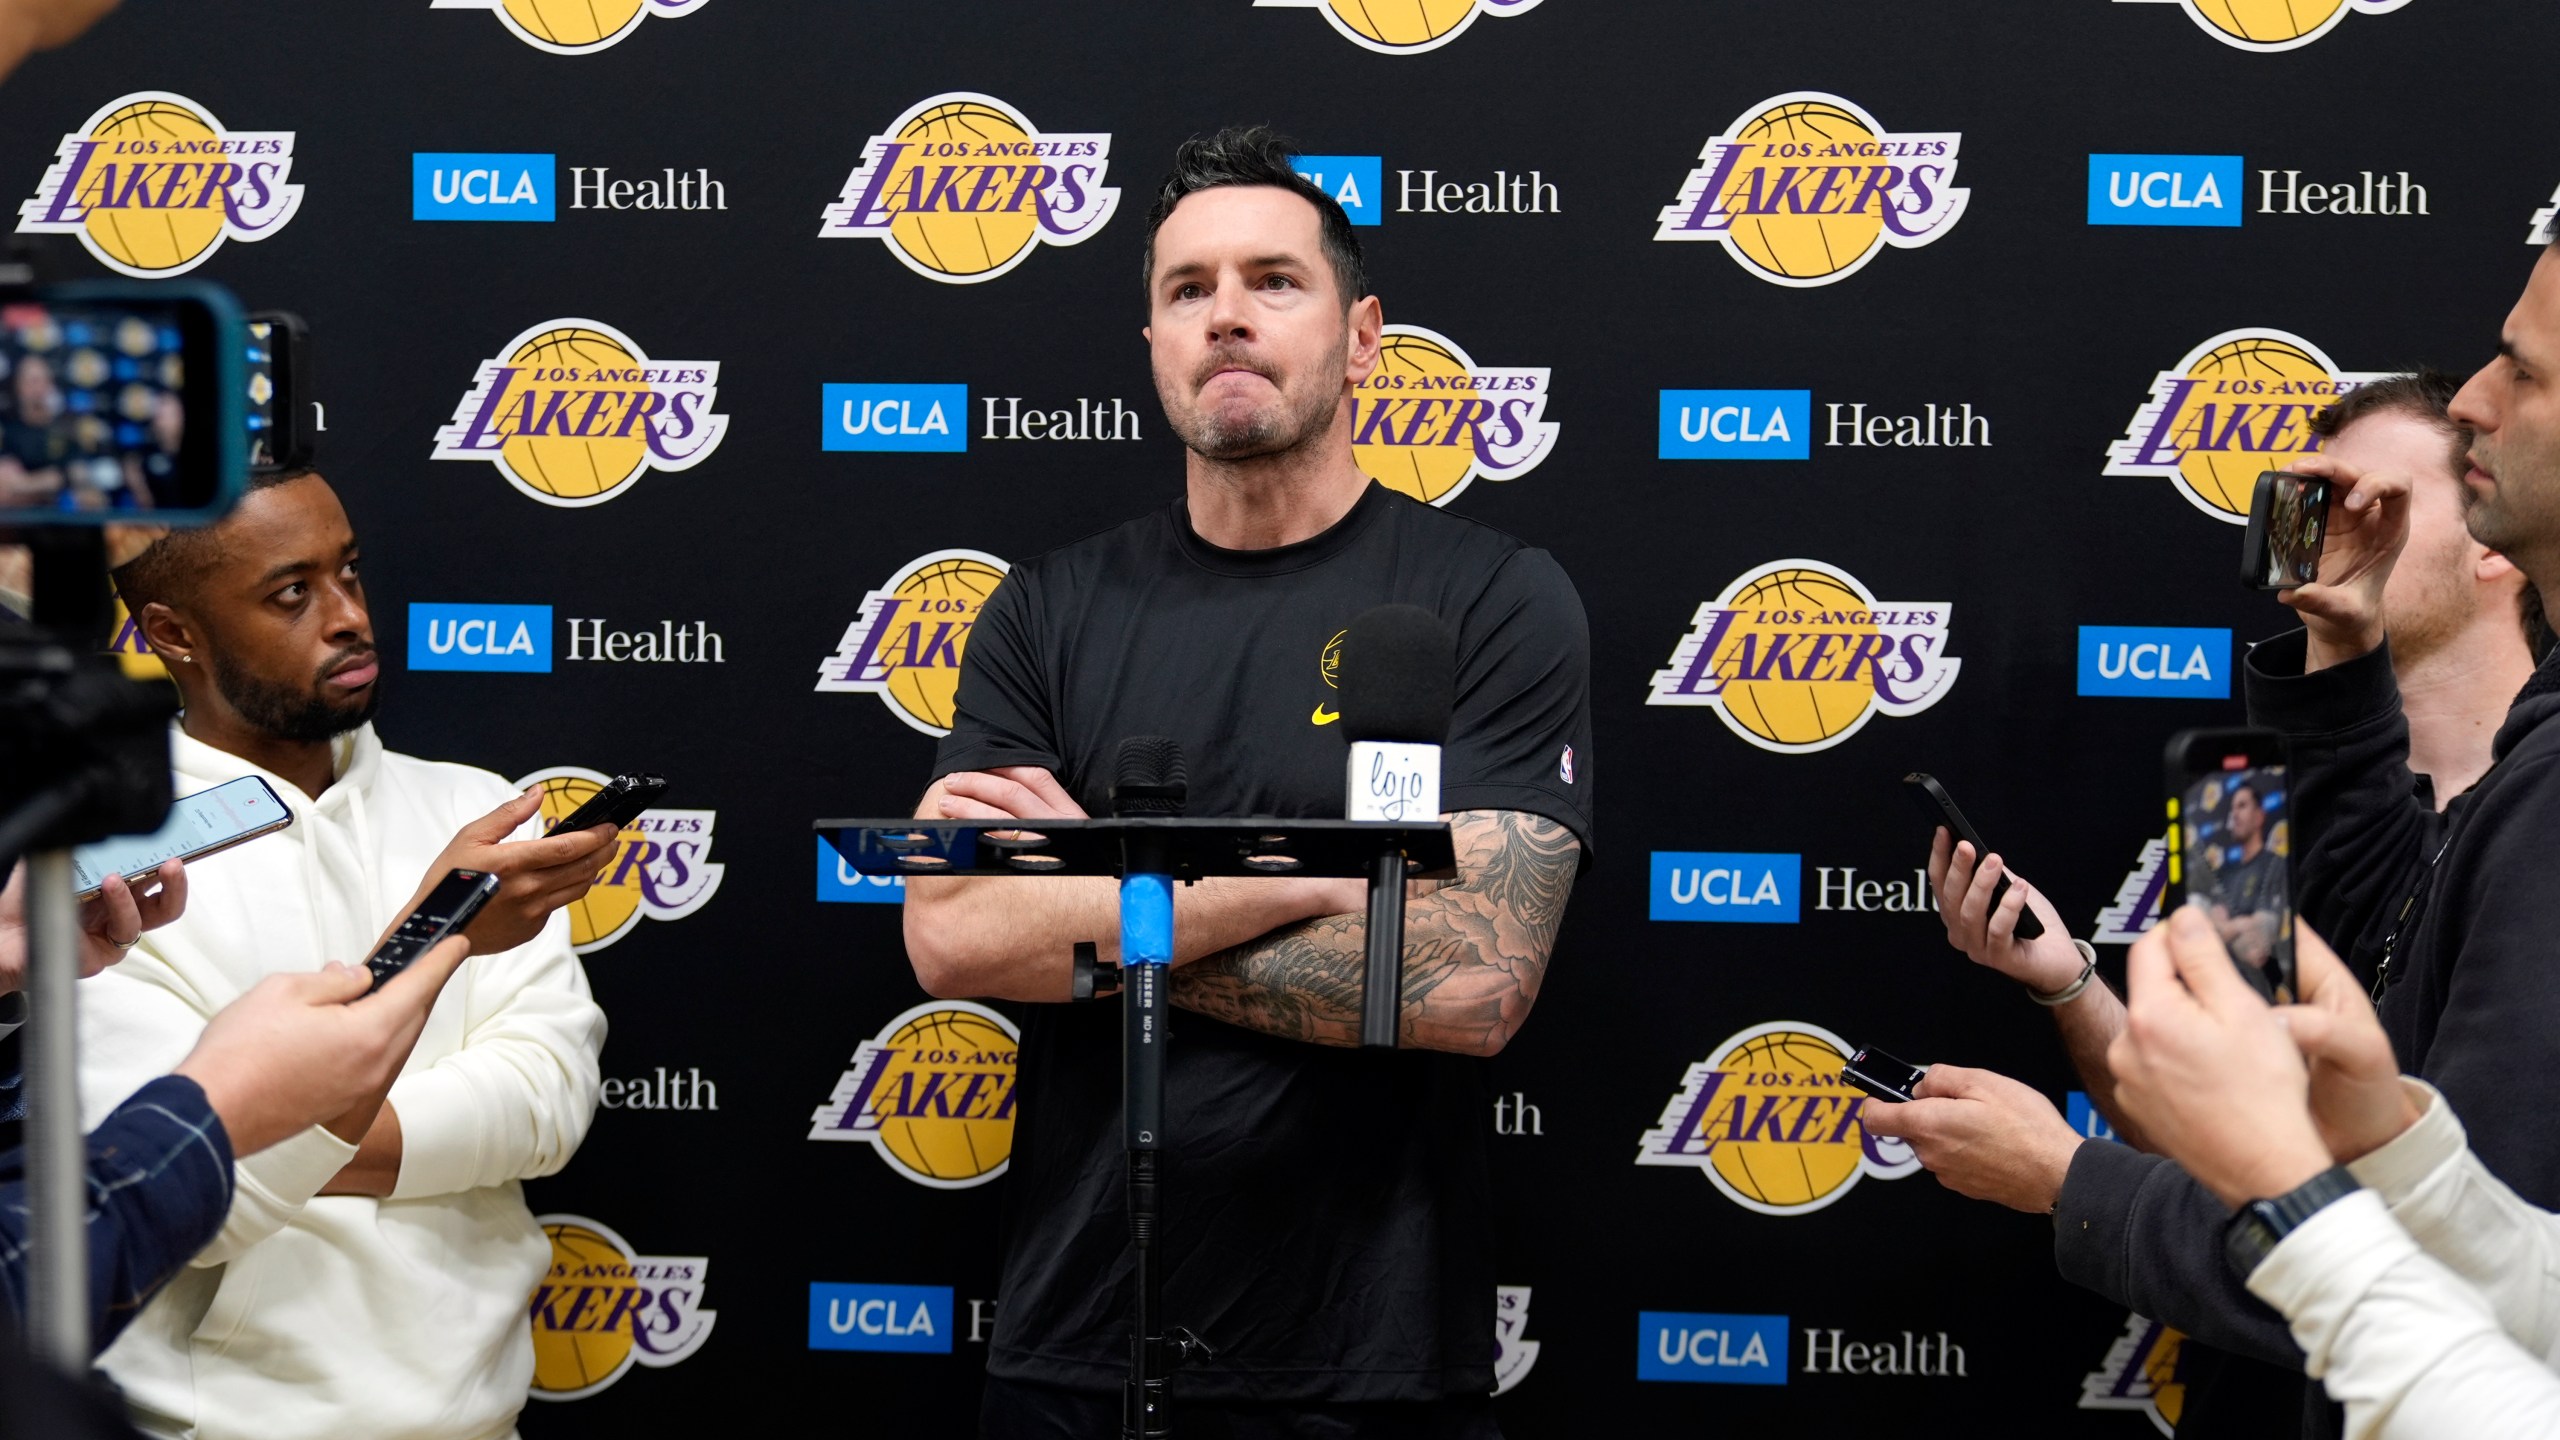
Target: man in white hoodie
372,1278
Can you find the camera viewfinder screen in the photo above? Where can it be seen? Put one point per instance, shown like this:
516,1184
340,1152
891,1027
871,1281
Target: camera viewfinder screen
92,409
2235,840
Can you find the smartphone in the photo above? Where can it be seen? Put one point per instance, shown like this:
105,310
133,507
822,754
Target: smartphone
277,395
2288,521
1881,1075
617,804
205,823
2231,846
447,908
1940,807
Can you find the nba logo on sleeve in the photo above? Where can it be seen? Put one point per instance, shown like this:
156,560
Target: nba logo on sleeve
153,184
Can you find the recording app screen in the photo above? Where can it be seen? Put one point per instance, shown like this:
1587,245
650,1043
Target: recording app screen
2235,840
91,407
197,822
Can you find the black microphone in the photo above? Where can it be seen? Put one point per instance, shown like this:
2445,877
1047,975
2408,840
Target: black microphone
1399,677
1149,778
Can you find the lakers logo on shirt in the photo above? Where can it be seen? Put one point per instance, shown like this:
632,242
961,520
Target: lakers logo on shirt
1805,188
1329,666
572,413
153,184
661,865
2267,26
2142,1372
1403,27
604,1308
572,27
1429,420
1797,655
905,645
2237,405
1769,1122
933,1093
963,186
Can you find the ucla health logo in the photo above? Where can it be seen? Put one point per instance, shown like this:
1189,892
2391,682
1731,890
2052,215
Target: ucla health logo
899,1319
479,637
572,412
1796,655
572,27
2267,26
1805,188
1727,886
1429,420
1357,183
1711,1349
153,184
905,645
450,185
840,884
2163,661
661,865
932,1093
963,186
896,417
605,1308
1737,425
1406,28
2165,190
2237,405
1770,1123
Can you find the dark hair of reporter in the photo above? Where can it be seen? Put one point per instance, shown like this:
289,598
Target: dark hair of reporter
171,567
1256,155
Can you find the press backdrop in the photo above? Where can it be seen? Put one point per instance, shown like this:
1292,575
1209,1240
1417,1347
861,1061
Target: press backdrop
741,341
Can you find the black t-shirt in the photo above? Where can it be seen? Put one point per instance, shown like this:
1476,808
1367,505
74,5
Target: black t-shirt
1328,1222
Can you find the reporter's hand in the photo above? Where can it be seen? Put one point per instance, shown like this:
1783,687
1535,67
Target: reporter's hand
2368,526
110,922
2357,1099
536,876
1983,1135
305,1049
1988,936
2206,1069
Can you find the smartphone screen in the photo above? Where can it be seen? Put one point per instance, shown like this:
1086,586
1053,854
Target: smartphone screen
2288,524
205,821
1881,1075
2235,844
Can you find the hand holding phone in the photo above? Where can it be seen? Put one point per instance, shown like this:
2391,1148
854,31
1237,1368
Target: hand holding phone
619,803
1883,1076
2288,520
205,823
1940,808
2367,526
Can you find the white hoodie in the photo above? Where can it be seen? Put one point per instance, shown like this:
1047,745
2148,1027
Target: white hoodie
324,1318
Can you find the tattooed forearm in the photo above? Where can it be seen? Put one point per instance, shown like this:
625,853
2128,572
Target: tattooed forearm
1474,951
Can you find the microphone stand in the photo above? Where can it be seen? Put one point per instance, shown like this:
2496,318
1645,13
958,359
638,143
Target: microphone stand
1146,962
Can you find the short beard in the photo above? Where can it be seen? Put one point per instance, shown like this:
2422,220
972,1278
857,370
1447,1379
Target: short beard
1276,430
302,716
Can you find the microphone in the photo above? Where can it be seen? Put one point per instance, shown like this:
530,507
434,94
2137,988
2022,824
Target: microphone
1399,678
1149,778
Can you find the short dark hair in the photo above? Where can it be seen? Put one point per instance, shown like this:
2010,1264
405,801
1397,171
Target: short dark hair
1255,155
170,568
2424,393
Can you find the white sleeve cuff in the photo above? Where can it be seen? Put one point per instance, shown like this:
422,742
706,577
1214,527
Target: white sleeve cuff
271,1187
2436,1140
440,1133
2315,1274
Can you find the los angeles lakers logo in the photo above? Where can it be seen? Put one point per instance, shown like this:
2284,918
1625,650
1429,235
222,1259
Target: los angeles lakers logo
572,27
963,186
133,654
153,184
2239,404
1403,27
661,865
2267,26
572,413
1429,421
905,645
1805,188
1797,656
933,1093
1769,1121
604,1308
2141,1372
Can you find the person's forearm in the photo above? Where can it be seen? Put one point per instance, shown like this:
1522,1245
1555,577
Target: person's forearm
1001,938
2089,1025
376,1169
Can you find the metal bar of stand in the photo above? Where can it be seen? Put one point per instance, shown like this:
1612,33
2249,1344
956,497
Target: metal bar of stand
56,1151
1146,954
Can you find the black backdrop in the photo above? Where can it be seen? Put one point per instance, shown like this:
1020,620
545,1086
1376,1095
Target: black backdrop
2051,328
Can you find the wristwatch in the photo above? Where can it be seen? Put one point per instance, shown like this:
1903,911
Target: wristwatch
2261,1224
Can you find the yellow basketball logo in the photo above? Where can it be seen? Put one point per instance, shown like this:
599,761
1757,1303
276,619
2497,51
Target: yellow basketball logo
153,184
1770,1123
572,412
572,27
2267,26
133,654
933,1092
1429,420
604,1309
1403,27
963,186
2238,405
1805,188
2143,1371
907,642
661,864
1796,656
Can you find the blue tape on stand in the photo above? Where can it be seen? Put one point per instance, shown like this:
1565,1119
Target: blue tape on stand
1146,920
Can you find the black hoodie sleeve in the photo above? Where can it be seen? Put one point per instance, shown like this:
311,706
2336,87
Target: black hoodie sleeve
2140,1231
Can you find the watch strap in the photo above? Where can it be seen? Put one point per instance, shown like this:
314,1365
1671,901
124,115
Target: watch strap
2260,1225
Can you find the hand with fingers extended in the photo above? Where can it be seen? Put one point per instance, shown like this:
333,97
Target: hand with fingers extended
2207,1068
111,922
1983,1135
536,876
1988,934
2368,525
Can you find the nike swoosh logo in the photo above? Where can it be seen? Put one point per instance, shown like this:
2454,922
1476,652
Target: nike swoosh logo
1323,716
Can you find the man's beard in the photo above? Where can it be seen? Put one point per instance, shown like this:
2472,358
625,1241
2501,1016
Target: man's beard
304,716
1271,430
